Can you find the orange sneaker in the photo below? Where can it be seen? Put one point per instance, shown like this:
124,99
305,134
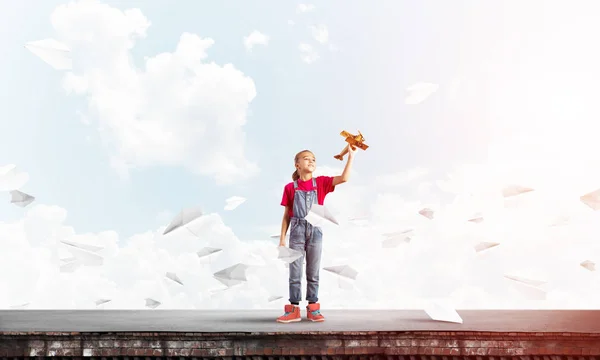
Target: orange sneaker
292,314
313,312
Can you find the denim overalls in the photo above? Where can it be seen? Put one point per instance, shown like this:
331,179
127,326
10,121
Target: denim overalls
307,239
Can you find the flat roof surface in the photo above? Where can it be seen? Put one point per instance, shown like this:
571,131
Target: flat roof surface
576,321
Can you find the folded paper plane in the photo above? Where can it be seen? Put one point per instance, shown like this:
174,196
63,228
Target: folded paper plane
419,92
514,190
439,312
183,219
592,199
234,202
589,265
427,212
232,275
52,52
20,198
288,255
319,215
151,303
173,277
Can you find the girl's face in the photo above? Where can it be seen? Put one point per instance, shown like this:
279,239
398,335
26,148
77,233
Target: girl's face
306,162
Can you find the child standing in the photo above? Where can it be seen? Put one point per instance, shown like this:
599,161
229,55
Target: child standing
298,197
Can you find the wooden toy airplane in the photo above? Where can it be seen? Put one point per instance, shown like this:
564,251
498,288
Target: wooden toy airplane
352,140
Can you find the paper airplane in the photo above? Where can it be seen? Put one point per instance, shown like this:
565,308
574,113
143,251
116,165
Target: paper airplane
590,265
151,303
394,239
70,266
288,255
102,301
528,288
440,312
419,92
273,298
514,190
52,52
206,251
232,275
485,245
476,220
319,215
343,270
427,212
85,257
20,198
86,247
234,202
173,277
185,217
592,199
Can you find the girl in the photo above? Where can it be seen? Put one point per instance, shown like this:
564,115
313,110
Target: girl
298,197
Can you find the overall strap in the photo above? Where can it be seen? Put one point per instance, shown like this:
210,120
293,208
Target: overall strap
314,181
295,184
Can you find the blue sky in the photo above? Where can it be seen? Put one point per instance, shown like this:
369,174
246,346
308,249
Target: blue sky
515,104
382,50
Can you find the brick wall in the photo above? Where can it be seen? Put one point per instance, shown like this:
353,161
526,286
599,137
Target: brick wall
337,345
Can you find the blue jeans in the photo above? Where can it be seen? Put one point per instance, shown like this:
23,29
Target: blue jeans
307,239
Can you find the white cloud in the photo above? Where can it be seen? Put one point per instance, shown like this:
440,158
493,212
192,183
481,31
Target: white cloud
302,8
170,111
309,54
11,178
402,177
439,263
320,33
255,38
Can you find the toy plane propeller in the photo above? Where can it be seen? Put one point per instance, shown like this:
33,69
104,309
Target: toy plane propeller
352,140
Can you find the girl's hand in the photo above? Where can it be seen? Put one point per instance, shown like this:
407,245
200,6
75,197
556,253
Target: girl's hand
351,151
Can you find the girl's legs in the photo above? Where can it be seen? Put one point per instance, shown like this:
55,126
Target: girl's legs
313,263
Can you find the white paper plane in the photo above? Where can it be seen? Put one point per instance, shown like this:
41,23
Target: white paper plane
484,245
419,92
52,52
232,275
70,266
588,264
319,215
86,257
439,312
592,199
288,255
476,220
20,198
234,202
394,239
87,247
427,212
343,270
514,190
102,301
185,217
172,276
273,298
535,283
151,303
207,251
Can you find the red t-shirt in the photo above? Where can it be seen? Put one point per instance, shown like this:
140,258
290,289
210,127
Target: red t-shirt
324,187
